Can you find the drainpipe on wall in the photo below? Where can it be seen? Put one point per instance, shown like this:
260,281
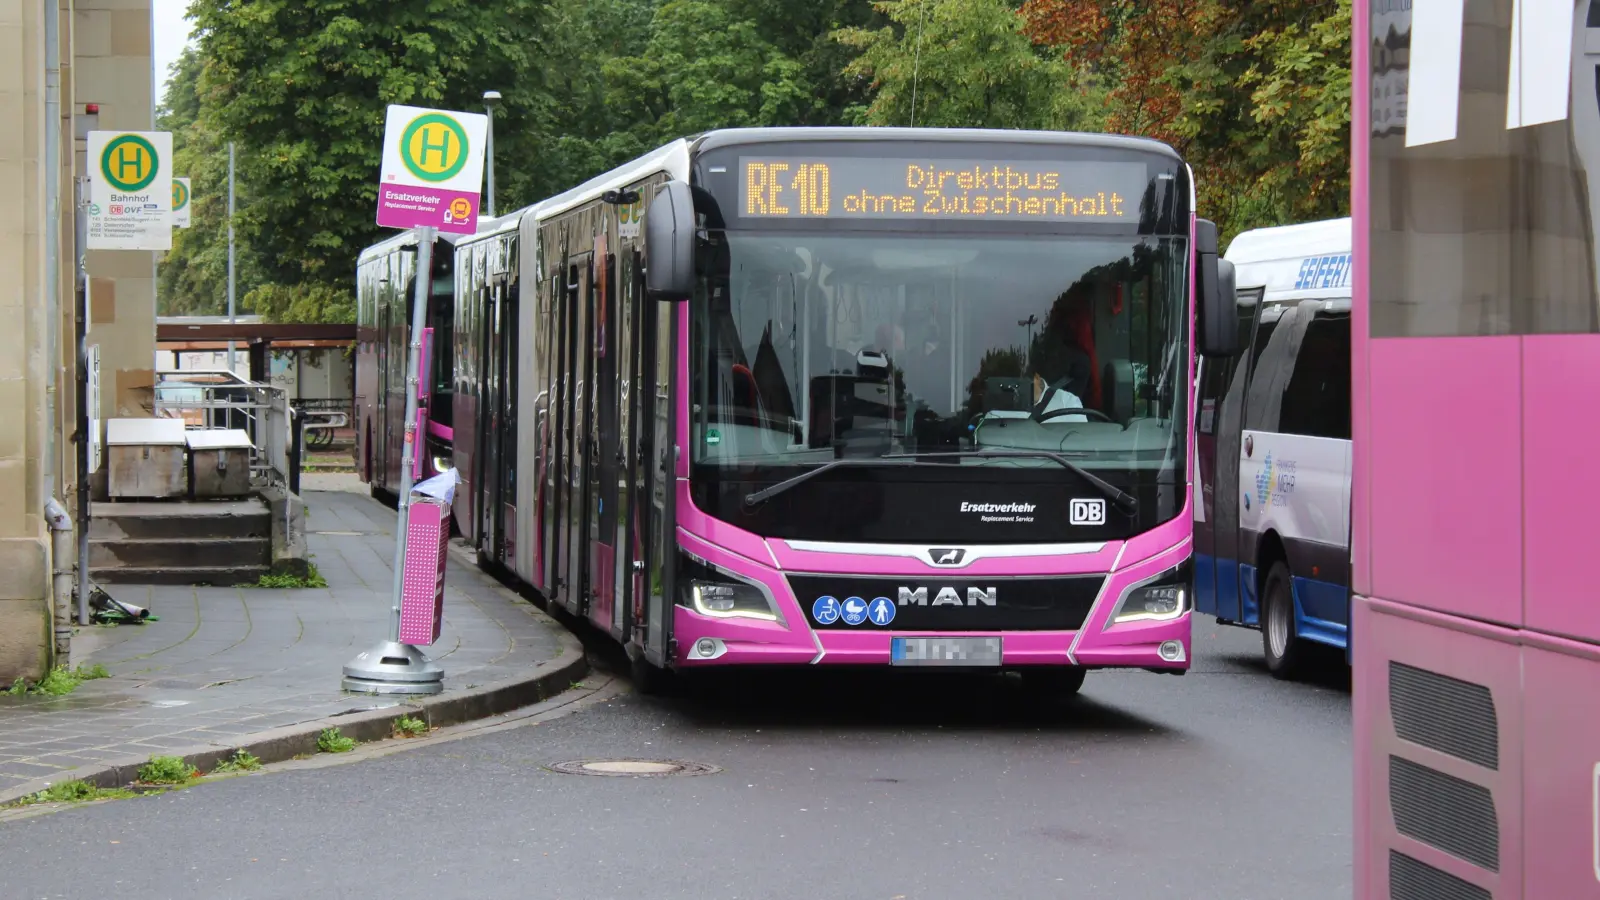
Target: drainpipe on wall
61,557
55,513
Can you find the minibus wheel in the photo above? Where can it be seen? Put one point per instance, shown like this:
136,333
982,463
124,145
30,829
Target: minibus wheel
1284,650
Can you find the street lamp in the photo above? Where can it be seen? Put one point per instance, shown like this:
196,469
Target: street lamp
1028,323
491,99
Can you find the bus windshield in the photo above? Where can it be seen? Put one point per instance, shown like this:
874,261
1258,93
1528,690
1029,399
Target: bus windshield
810,347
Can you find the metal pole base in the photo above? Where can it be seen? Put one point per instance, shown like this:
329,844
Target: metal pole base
393,668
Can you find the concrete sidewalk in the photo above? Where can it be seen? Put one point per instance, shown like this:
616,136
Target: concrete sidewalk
255,668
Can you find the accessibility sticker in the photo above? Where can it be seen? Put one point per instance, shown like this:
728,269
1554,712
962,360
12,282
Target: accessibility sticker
825,610
854,611
880,611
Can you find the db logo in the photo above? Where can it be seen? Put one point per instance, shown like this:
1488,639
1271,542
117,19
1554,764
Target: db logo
116,210
1087,512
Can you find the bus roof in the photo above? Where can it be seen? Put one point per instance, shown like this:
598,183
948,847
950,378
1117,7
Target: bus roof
408,238
1294,261
712,140
673,158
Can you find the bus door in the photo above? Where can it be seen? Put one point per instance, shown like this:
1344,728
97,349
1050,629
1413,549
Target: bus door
547,356
575,480
1215,377
378,426
632,500
490,404
561,435
604,465
1226,495
661,350
505,523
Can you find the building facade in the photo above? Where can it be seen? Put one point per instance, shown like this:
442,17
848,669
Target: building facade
102,58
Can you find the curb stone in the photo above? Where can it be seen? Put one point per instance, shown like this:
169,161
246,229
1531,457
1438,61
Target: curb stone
546,680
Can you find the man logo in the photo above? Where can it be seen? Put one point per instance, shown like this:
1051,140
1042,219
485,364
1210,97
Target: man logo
129,163
1087,512
943,556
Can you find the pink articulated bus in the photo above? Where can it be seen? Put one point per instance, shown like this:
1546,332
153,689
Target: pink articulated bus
853,396
385,289
1476,381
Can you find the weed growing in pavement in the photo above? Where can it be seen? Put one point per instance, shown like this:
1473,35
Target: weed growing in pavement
59,681
312,579
167,770
331,741
410,726
73,792
241,761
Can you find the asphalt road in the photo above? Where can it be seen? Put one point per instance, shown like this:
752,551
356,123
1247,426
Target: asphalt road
1222,784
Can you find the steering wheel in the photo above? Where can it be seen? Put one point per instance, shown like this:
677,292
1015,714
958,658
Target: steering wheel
1041,415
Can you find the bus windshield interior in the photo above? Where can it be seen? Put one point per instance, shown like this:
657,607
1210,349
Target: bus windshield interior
809,348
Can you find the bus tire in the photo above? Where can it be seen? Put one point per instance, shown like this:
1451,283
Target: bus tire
1054,681
648,679
1284,650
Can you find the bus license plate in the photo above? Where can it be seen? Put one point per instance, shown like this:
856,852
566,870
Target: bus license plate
931,651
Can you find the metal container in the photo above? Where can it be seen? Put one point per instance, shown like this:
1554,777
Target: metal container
219,463
146,458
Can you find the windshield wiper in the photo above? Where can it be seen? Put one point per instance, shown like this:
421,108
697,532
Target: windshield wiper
858,462
1125,501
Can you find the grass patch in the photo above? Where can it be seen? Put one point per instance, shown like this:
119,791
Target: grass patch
59,682
331,741
312,579
74,792
240,761
410,726
167,770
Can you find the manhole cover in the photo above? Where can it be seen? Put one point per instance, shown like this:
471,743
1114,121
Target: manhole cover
633,768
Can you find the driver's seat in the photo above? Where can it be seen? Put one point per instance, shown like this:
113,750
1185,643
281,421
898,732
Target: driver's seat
1116,389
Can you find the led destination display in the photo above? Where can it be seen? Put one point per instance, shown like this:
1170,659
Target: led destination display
867,188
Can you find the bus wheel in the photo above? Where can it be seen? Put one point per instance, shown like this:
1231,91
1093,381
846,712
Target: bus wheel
648,679
1053,681
1284,650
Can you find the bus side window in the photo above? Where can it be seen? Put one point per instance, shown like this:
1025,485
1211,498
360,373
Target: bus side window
1316,402
1215,376
1273,355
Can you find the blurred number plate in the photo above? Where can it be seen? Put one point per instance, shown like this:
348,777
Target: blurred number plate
932,651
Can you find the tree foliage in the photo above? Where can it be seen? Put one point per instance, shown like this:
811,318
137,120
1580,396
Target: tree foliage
1256,95
962,64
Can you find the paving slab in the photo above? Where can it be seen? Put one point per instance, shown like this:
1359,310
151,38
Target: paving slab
260,669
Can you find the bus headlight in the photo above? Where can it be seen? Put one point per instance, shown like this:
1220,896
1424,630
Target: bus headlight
730,600
1157,602
441,463
1160,599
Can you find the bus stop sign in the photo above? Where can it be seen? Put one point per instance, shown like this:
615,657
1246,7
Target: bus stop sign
432,173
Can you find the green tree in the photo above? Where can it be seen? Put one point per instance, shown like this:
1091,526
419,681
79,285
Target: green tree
1255,95
192,276
704,67
962,63
303,85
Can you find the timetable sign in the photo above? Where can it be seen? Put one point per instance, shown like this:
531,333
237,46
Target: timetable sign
878,188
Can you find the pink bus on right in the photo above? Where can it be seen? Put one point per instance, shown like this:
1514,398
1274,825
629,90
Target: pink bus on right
1476,427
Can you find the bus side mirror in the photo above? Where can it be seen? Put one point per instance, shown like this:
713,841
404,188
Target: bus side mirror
669,243
1217,318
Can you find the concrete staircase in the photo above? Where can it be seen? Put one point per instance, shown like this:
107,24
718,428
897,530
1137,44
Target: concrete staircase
200,542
